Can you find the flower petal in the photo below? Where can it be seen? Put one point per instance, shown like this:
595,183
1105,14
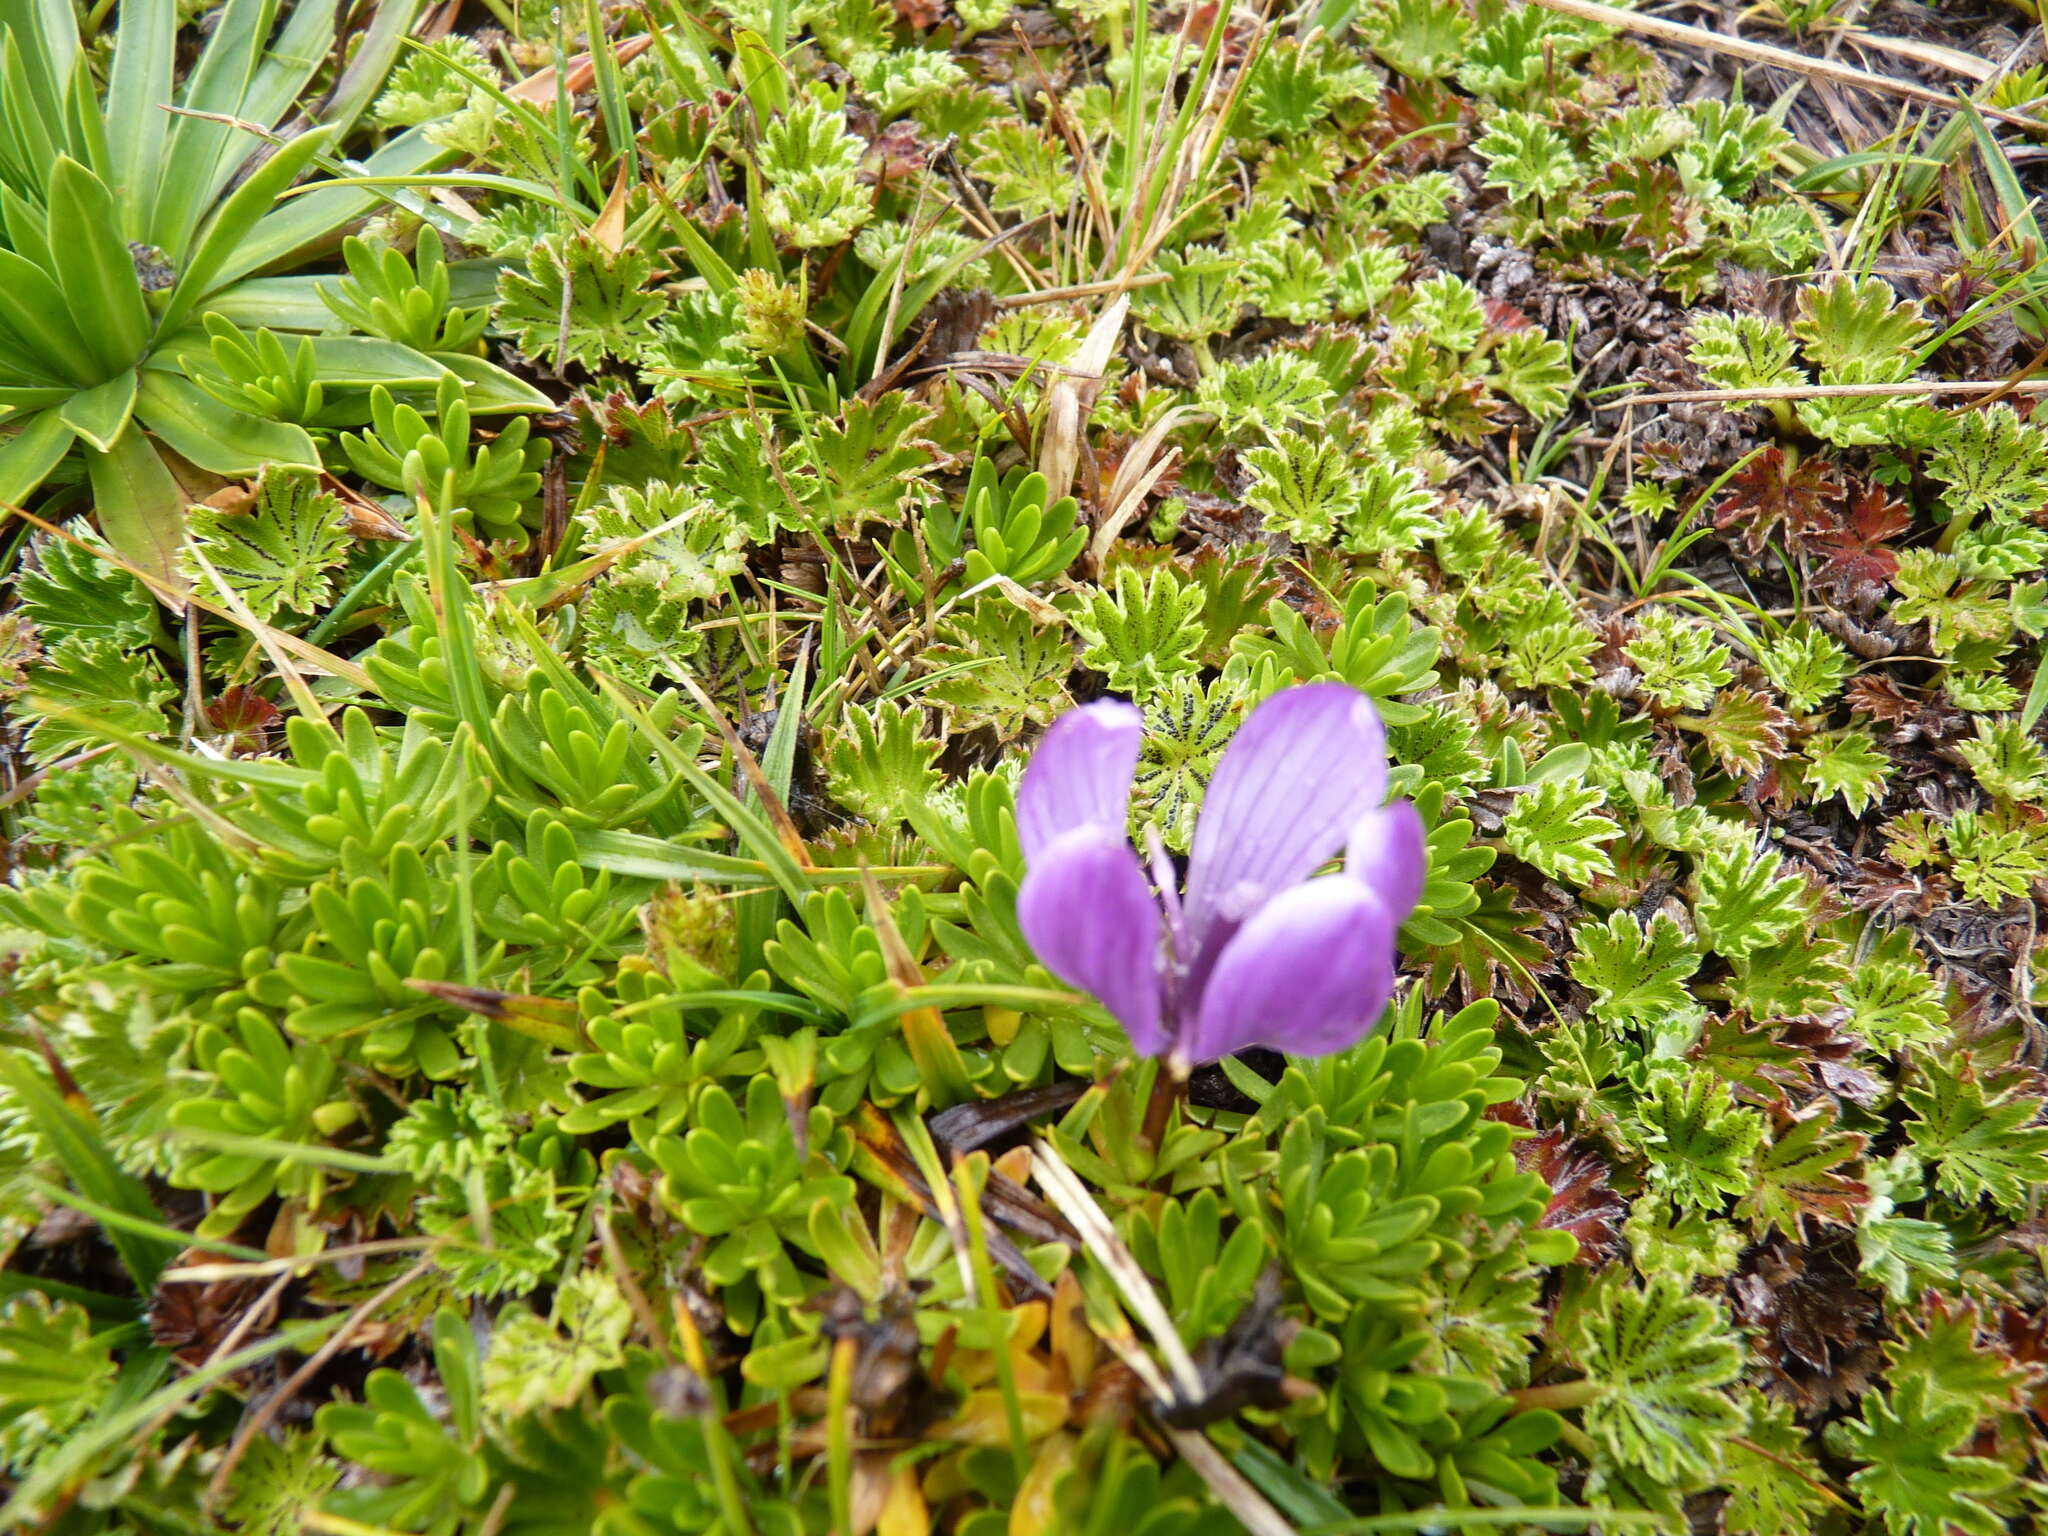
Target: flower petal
1389,851
1307,764
1309,973
1080,775
1089,912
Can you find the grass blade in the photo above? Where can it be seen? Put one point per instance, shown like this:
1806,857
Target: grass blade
67,1127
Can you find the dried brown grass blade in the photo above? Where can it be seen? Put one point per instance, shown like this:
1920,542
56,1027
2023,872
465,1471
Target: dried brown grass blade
1933,55
1229,1485
1831,392
1073,1201
538,88
1142,468
1072,396
771,803
294,684
610,229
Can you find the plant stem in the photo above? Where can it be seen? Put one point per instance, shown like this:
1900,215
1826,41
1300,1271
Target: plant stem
1168,1086
1561,1396
366,587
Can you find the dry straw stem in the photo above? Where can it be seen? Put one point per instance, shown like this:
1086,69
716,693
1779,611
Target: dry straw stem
1071,1196
1071,399
295,684
1066,1191
1142,468
1831,392
771,803
292,1264
1228,1484
1081,290
230,1341
258,1418
541,87
1933,55
1680,35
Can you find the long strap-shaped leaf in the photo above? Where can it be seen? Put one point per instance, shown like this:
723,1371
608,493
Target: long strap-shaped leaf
195,147
316,215
141,507
27,457
138,90
28,126
47,33
33,308
92,263
221,255
214,436
67,1130
375,49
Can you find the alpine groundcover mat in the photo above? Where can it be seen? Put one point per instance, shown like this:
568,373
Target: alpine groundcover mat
780,767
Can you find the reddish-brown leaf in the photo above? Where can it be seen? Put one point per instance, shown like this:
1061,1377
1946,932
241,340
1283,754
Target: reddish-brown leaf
1807,1172
1503,316
245,715
1581,1202
1884,890
1929,718
1646,207
897,154
2023,1336
1744,730
1420,124
1818,1329
192,1317
1856,562
1768,498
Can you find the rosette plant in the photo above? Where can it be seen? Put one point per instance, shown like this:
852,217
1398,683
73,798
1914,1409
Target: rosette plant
1255,948
125,220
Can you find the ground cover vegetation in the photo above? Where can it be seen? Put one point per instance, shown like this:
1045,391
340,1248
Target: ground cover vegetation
543,537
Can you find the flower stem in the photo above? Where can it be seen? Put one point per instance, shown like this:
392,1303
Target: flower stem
1563,1396
1168,1085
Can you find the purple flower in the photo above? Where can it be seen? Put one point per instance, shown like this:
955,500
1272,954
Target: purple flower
1255,952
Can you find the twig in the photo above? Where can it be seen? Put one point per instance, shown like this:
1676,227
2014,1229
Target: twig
1831,392
1081,290
1764,53
259,1418
1934,55
296,1263
1229,1485
1075,1203
771,803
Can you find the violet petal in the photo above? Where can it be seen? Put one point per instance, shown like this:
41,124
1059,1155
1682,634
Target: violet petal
1304,766
1090,914
1389,851
1309,973
1080,775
